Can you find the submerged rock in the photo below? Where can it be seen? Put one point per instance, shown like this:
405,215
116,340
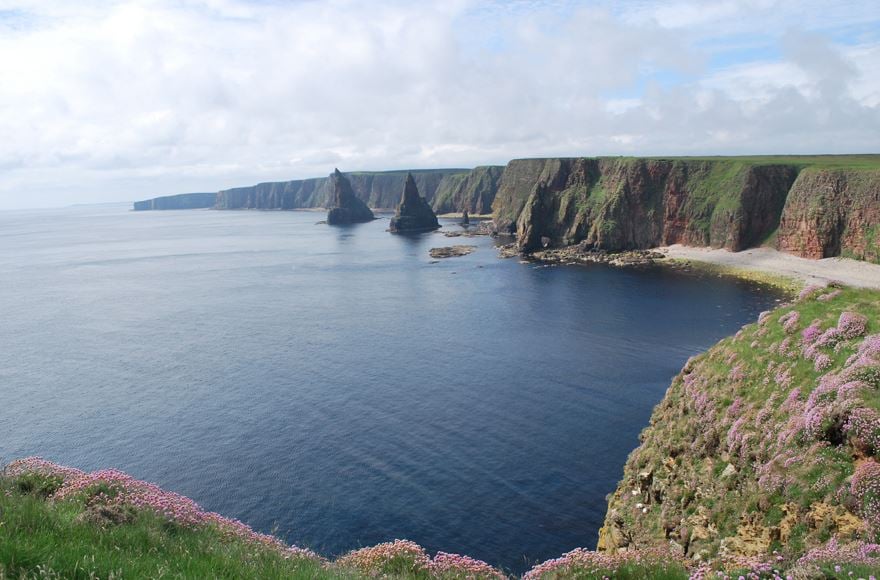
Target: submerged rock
344,207
452,251
413,214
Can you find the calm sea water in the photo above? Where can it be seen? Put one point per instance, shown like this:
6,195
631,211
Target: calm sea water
334,385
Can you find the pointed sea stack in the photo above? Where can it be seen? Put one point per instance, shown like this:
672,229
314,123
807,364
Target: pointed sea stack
413,214
344,205
465,220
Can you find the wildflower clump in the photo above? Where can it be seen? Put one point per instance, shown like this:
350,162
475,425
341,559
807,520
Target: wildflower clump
400,557
865,488
863,427
852,325
446,565
789,321
581,563
838,557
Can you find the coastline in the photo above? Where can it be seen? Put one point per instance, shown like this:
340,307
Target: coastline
773,266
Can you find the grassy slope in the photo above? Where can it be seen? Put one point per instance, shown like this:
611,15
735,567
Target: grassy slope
725,412
39,539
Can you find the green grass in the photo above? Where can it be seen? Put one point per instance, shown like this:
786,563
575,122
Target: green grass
42,539
868,162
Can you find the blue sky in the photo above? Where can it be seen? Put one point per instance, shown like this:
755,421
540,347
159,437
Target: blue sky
118,100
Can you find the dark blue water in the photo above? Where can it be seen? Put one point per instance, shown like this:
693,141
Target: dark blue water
333,384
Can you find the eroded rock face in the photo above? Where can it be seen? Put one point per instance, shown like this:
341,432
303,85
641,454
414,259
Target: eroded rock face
344,206
625,204
832,213
413,214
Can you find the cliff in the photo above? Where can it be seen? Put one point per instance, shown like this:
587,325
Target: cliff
623,204
180,201
473,191
766,446
343,206
812,207
379,189
833,212
413,214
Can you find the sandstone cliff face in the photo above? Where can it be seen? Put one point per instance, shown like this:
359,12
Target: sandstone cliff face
180,201
344,206
621,204
413,214
833,213
769,441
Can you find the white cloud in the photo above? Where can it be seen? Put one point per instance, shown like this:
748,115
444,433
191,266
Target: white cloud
118,100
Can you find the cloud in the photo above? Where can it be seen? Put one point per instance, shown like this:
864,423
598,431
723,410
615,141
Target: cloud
118,100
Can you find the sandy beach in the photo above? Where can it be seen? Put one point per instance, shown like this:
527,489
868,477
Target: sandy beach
850,272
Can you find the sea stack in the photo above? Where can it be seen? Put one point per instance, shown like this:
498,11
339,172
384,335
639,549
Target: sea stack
344,207
464,218
413,214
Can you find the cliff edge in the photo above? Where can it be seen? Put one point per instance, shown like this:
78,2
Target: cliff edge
766,447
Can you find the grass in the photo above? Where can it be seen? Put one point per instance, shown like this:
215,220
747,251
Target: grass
868,162
42,539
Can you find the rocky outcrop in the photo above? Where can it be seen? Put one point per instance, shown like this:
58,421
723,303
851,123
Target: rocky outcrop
768,441
180,201
414,214
833,212
451,251
344,206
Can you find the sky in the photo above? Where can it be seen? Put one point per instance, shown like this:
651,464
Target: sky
118,100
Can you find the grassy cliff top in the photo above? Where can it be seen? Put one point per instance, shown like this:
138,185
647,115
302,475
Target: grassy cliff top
854,161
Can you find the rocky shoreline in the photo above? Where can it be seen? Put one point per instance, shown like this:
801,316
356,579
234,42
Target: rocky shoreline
580,254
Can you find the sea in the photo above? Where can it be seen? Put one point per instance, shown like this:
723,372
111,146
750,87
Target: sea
337,386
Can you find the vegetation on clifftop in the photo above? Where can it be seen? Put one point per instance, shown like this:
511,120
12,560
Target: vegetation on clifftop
766,447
